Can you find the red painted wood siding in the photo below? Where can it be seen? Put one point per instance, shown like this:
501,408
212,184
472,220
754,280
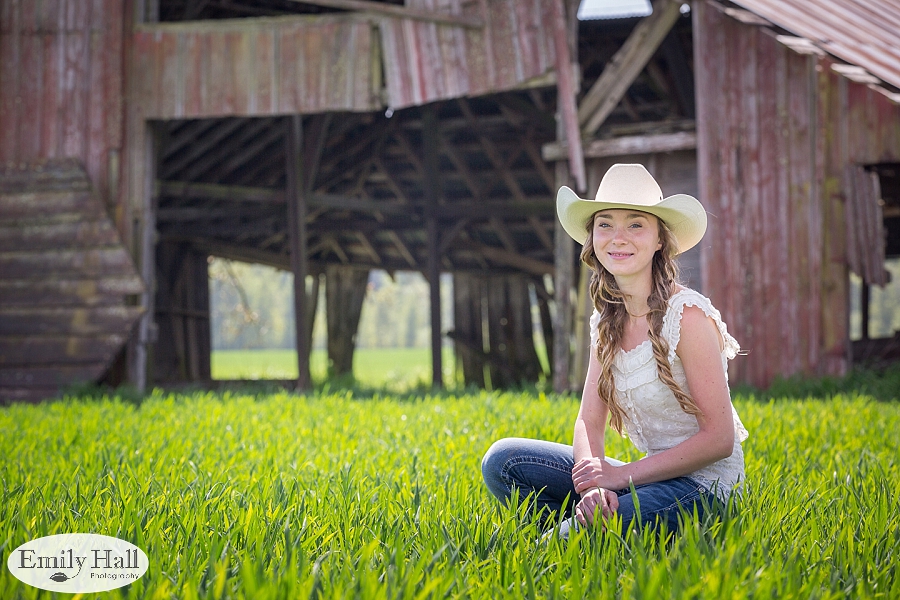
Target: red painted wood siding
776,130
61,92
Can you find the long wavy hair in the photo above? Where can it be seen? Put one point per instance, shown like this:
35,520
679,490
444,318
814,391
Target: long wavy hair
609,301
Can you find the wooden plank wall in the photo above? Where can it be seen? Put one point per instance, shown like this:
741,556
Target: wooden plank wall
425,62
66,281
776,130
61,92
263,66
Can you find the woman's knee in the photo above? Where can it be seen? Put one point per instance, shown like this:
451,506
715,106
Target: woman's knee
497,455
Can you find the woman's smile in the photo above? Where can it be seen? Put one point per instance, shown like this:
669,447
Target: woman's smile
625,241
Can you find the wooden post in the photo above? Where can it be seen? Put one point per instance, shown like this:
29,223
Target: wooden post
140,372
567,92
562,289
345,291
430,141
295,196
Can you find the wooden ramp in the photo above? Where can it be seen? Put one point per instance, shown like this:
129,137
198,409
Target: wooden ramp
67,284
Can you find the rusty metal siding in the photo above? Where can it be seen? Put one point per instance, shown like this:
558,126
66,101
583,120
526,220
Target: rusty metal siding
861,32
61,86
268,66
425,62
776,131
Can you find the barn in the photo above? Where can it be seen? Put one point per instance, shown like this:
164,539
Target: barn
332,137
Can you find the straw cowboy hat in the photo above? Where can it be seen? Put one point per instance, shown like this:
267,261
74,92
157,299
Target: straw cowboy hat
632,186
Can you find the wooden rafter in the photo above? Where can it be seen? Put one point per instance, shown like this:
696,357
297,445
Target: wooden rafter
199,147
534,153
503,234
451,234
401,247
460,165
512,185
249,152
625,65
368,247
218,153
390,180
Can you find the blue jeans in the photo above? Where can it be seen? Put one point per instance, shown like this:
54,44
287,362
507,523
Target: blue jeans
544,469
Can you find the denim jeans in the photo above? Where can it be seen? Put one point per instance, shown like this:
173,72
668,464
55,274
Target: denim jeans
544,469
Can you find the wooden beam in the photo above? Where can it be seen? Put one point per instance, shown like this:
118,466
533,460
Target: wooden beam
392,10
626,65
567,91
368,247
503,234
460,164
537,160
391,181
215,191
638,144
404,251
510,259
451,234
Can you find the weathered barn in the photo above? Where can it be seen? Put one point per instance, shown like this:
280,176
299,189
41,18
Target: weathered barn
325,137
336,136
798,148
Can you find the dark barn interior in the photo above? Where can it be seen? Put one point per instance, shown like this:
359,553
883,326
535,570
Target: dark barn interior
462,179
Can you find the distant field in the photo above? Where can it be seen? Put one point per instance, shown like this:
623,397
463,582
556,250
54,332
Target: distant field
372,367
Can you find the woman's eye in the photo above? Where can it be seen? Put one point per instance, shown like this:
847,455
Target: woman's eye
636,225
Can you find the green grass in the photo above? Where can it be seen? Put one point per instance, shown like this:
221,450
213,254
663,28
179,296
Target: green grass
334,496
394,368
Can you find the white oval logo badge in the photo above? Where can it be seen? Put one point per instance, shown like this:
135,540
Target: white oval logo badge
75,563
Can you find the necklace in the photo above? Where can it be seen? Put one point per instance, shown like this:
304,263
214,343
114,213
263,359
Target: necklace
639,316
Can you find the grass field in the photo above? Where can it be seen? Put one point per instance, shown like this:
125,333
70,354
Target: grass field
379,496
391,368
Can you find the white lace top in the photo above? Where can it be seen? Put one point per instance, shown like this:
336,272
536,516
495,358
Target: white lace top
653,419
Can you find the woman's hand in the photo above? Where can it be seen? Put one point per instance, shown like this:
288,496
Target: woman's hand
597,473
596,501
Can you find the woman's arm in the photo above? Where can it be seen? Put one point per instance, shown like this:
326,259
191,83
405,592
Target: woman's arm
700,351
590,425
588,445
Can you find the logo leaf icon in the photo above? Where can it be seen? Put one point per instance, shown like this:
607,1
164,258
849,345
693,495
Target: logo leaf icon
60,577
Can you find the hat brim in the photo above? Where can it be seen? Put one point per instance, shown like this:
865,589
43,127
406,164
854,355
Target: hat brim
683,214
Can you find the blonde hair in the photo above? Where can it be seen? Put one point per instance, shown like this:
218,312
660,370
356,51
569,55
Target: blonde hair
609,301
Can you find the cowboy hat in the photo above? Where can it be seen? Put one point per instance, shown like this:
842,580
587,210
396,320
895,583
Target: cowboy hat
632,186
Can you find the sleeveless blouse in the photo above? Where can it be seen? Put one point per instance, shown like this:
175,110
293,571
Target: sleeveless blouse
653,419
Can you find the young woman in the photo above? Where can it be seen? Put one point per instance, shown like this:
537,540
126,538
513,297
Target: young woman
657,372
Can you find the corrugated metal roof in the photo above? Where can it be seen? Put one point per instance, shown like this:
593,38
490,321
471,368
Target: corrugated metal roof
267,66
283,65
862,32
425,62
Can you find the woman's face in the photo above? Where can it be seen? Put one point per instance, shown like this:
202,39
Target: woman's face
625,241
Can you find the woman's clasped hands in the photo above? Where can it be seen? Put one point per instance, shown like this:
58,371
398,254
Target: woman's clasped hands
594,478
